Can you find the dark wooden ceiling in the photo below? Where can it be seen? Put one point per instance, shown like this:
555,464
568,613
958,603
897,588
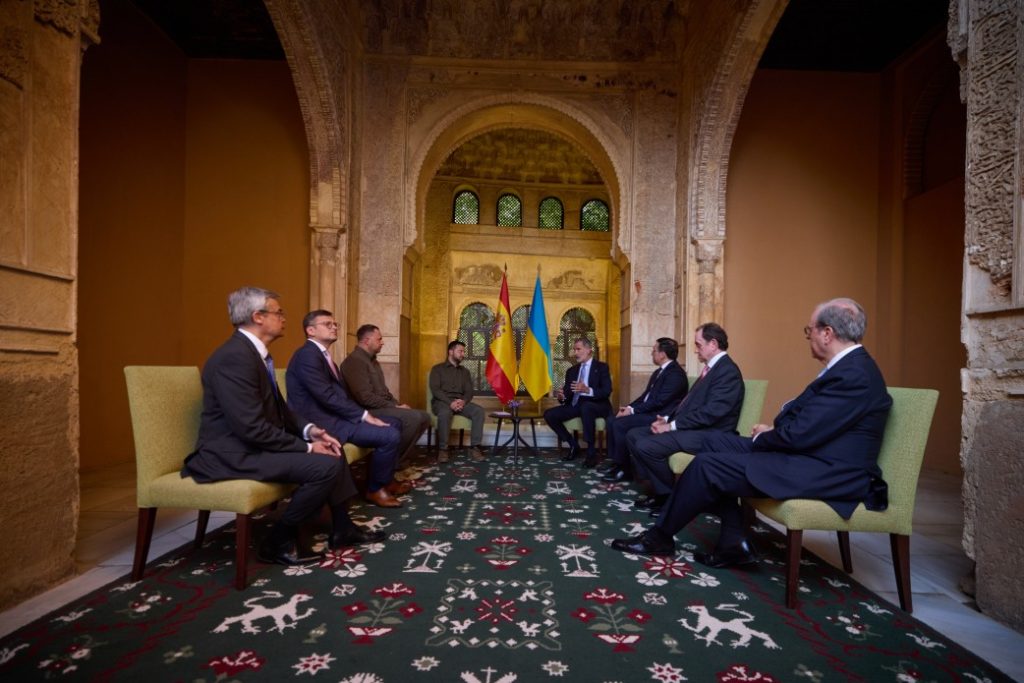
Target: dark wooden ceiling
827,35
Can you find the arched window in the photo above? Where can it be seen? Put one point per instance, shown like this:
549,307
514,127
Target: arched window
594,216
520,319
475,324
551,215
576,323
466,208
510,211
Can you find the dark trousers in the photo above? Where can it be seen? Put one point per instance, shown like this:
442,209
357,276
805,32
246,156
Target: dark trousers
651,453
444,422
618,427
321,479
713,482
414,423
384,441
588,411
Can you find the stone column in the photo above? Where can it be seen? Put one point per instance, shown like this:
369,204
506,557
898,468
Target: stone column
329,274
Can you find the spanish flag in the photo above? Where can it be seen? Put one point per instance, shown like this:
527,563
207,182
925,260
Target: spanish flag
501,355
535,365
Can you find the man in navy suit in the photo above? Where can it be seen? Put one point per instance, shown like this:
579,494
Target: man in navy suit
246,431
315,390
588,386
712,404
666,387
823,445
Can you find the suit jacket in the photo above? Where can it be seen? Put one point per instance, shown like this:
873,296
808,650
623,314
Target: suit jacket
664,388
243,416
836,428
600,380
364,379
715,401
313,391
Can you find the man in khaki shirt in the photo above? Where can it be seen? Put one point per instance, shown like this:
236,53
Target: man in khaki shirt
452,388
364,380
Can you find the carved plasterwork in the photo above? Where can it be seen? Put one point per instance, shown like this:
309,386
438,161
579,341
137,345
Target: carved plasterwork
63,15
992,96
521,155
486,275
13,55
653,30
572,280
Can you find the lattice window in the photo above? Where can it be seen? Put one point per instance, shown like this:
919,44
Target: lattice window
475,324
520,319
576,323
594,216
510,211
551,214
466,208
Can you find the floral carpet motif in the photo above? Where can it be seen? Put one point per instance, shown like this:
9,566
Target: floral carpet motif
492,572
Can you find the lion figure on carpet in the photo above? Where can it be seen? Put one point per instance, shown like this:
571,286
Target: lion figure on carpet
285,615
714,626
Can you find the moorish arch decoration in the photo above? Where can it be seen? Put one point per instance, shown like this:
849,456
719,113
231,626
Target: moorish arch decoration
606,150
716,115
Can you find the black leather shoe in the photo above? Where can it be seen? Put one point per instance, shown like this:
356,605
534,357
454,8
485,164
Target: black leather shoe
728,557
617,475
354,535
590,462
645,543
607,466
289,555
573,453
654,513
649,502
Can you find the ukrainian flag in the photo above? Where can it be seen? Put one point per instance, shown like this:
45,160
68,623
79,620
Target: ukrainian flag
535,364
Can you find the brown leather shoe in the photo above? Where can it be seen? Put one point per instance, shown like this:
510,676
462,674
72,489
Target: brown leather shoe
442,455
381,498
398,488
476,454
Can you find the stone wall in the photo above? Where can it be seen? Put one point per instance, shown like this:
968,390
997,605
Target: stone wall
41,46
987,39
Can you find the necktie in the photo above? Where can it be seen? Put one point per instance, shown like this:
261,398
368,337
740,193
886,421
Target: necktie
582,377
330,363
702,373
271,373
650,385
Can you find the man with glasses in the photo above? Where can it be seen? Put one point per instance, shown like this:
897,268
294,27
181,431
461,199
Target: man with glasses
364,379
246,431
823,445
315,390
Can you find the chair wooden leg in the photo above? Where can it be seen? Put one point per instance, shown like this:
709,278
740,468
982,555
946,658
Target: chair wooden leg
430,430
462,433
900,546
794,542
143,535
201,523
242,528
844,550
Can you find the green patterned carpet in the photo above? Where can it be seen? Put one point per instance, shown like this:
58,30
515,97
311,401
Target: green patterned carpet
490,574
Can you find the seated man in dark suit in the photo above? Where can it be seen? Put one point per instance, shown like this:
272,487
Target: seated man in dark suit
666,387
246,431
712,404
588,386
823,445
364,379
315,390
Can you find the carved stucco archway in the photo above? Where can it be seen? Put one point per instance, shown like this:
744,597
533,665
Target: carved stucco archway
322,80
713,127
608,153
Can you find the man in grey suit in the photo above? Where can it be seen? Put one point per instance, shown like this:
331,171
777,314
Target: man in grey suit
713,403
247,431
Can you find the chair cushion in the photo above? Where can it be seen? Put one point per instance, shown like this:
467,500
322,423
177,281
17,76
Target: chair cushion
678,462
241,496
354,452
801,513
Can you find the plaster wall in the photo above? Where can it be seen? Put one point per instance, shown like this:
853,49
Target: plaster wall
802,216
132,219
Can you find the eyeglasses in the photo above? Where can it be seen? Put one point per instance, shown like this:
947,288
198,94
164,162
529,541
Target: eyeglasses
808,329
279,312
331,324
